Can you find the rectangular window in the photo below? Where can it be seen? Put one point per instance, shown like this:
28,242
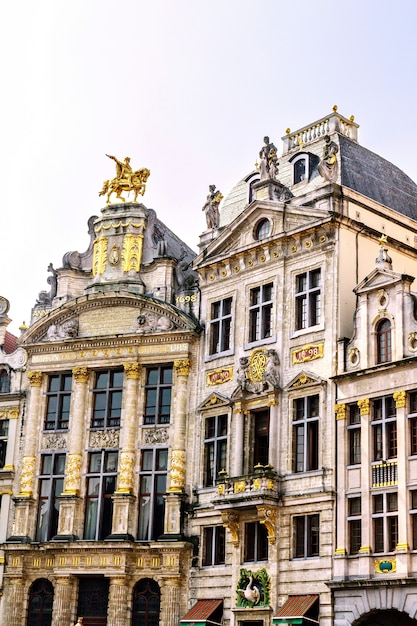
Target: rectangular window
4,381
158,390
385,521
384,428
107,399
354,525
261,438
220,325
256,542
260,312
412,422
306,433
214,545
307,299
306,536
215,448
4,434
101,485
153,478
51,485
354,434
58,401
413,515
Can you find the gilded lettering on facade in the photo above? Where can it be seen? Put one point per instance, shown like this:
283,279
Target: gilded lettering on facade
219,376
308,353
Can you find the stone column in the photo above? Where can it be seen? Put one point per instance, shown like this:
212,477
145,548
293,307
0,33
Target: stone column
69,499
24,500
63,592
122,498
170,602
238,455
273,431
402,545
365,549
341,531
117,612
14,598
172,524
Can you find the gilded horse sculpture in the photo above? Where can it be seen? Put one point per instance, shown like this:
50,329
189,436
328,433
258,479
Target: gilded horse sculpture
126,180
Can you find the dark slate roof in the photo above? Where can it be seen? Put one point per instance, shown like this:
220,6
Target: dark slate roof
378,179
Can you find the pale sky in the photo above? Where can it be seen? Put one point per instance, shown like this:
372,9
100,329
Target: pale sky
187,88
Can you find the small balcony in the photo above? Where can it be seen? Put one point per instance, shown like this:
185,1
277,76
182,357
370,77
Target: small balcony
261,487
385,474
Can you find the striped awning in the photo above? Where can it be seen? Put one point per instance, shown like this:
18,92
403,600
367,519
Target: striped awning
201,612
295,609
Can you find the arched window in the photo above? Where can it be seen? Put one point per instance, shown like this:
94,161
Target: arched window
300,170
41,598
383,341
4,381
146,603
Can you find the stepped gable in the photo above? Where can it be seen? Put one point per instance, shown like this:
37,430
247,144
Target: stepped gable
373,176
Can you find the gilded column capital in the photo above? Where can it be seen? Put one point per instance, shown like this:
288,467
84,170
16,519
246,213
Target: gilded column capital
182,366
27,477
364,406
132,370
80,374
35,378
340,410
400,399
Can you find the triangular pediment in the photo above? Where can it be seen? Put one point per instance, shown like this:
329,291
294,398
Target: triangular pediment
214,400
379,278
304,379
104,315
284,218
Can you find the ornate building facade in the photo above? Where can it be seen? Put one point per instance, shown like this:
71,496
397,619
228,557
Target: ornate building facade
177,456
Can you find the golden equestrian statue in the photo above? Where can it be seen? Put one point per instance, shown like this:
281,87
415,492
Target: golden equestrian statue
126,180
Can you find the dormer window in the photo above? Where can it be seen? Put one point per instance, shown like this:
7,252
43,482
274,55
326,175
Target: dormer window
383,341
300,170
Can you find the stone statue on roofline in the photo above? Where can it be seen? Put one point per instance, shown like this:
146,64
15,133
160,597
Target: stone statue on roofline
328,167
211,207
268,160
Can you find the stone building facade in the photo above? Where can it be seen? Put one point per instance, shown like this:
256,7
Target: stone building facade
178,457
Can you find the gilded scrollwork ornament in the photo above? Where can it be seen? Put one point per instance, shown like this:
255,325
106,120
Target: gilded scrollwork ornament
177,472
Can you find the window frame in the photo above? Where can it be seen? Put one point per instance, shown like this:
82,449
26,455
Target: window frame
260,323
308,305
60,414
152,496
306,545
112,410
354,520
105,478
256,545
303,157
354,434
50,488
383,341
305,433
412,422
220,327
384,429
215,447
384,522
4,439
214,546
160,388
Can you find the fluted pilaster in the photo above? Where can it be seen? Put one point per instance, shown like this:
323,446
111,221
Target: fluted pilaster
118,601
62,600
177,470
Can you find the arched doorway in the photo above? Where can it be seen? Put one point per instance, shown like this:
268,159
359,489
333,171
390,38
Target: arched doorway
41,598
146,603
385,618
